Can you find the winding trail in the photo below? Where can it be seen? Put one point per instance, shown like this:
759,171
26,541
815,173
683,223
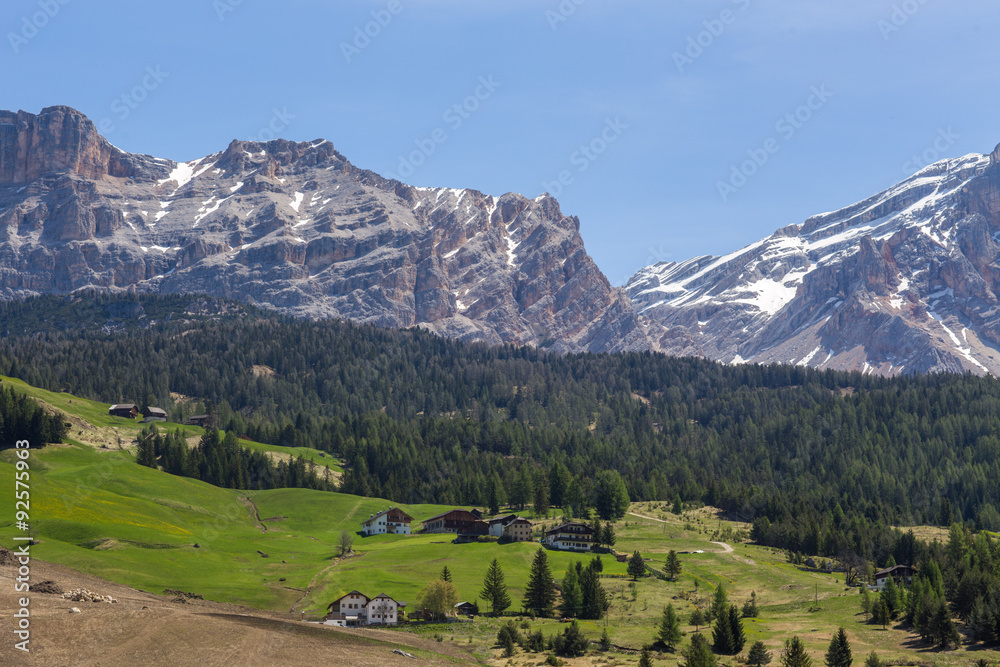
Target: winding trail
252,508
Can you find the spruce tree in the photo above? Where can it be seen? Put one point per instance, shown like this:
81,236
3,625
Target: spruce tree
839,653
673,566
495,590
697,618
670,629
645,659
758,655
891,597
794,654
698,653
609,538
873,660
722,635
880,613
445,574
540,594
739,637
572,595
720,603
636,566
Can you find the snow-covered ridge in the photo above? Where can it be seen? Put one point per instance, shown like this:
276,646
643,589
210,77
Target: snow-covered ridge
767,273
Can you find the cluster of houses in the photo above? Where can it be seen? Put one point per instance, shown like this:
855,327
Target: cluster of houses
469,526
131,411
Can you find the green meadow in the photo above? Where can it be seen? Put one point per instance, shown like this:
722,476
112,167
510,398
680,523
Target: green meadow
96,510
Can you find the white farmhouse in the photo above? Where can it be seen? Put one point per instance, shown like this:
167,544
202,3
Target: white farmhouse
392,520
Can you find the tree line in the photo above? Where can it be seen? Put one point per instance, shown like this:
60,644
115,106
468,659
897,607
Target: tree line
22,418
822,462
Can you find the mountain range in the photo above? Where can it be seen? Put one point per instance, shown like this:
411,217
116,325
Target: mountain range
905,281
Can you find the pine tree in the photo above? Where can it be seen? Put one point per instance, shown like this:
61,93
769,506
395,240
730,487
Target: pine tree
540,594
605,643
673,566
572,596
720,603
697,618
571,642
636,566
891,597
873,660
678,505
722,635
495,590
598,531
595,599
670,629
541,505
880,613
739,637
445,574
866,601
645,659
609,538
839,653
698,653
794,654
944,632
496,495
758,655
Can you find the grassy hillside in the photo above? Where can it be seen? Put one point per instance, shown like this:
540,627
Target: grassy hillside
96,510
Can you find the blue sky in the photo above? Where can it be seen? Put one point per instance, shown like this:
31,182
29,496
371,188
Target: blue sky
641,109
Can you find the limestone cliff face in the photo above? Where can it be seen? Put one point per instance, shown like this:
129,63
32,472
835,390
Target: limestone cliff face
905,281
296,227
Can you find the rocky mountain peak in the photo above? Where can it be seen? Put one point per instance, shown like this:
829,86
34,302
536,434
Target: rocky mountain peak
296,227
904,281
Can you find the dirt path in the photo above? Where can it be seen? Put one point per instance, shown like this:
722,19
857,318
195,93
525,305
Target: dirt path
651,518
254,514
726,549
312,582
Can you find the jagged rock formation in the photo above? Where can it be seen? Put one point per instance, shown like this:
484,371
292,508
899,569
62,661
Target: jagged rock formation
296,227
905,281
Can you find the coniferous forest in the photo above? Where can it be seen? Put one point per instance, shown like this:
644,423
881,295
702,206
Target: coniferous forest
821,462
